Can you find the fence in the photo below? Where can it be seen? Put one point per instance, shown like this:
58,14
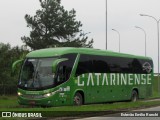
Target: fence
156,85
6,89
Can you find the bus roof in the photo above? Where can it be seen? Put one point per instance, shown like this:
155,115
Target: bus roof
50,52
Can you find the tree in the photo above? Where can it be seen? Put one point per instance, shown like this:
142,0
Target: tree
8,56
54,26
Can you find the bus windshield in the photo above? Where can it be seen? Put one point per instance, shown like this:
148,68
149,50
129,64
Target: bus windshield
37,73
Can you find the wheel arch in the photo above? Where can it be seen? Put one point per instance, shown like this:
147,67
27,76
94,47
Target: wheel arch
136,89
82,93
134,95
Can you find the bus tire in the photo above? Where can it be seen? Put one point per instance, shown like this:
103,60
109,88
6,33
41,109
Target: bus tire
134,96
78,99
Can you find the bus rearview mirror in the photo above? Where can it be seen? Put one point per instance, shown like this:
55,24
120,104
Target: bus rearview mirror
14,66
56,62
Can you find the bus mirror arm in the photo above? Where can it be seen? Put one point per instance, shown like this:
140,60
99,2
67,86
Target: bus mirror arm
14,66
56,62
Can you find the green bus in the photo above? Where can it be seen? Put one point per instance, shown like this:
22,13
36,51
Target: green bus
76,76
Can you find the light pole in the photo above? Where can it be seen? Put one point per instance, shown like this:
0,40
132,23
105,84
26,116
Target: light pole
119,37
157,21
106,25
144,36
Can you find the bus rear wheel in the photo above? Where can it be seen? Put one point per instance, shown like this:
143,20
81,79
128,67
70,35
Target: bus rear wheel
78,100
134,96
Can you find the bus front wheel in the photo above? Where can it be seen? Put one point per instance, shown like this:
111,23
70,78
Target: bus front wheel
134,96
78,100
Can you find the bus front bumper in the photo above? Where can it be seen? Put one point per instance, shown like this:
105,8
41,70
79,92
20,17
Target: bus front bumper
36,102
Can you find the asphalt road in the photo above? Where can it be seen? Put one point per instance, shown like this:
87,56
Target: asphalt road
150,109
134,115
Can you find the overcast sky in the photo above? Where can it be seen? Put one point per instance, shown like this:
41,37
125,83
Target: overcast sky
123,15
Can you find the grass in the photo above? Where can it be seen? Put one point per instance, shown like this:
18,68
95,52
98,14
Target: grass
8,101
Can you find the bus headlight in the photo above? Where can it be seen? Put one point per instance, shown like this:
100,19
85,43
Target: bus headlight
19,94
47,95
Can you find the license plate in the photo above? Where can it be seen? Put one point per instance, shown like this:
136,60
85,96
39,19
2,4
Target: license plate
32,102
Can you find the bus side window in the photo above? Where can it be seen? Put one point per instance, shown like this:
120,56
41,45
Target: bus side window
100,64
136,66
61,74
85,65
